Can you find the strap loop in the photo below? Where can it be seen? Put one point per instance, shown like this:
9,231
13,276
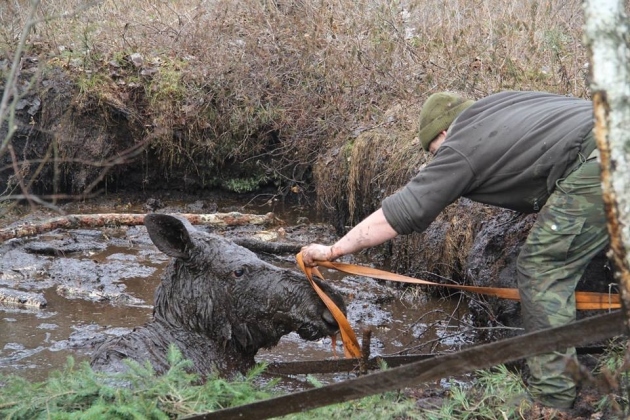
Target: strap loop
351,347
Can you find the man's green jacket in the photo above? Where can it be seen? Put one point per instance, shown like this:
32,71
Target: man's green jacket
507,149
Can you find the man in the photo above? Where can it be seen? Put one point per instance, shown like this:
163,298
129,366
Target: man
524,151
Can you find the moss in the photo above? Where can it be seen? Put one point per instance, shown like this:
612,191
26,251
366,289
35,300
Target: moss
244,185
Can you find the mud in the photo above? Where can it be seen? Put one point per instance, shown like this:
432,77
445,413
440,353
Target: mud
98,283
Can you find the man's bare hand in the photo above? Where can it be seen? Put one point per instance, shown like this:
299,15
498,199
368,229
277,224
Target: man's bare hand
316,252
372,231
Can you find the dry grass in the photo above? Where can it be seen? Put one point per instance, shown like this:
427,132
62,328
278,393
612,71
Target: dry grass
317,95
221,80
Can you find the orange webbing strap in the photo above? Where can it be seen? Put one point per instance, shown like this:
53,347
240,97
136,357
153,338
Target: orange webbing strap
351,347
583,300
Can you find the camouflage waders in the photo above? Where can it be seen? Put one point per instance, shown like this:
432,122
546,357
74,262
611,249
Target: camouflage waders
569,231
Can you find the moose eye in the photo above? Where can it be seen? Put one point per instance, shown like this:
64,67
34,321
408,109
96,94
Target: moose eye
238,272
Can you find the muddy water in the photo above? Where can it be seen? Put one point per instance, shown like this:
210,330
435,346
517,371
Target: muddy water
35,341
127,267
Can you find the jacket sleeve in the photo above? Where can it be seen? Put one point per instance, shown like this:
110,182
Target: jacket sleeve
446,178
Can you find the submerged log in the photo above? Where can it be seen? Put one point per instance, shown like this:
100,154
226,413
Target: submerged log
82,221
275,248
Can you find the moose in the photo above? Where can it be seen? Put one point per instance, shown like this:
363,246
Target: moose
219,303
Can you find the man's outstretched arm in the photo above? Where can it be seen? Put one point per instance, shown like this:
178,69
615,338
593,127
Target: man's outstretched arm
372,231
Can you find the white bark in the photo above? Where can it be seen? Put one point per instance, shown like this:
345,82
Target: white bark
607,35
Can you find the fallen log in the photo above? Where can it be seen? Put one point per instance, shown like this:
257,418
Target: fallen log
83,221
578,333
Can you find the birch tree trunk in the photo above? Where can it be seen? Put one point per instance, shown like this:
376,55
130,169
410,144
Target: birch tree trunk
608,40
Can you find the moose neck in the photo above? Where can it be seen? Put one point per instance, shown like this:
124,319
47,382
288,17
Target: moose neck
209,357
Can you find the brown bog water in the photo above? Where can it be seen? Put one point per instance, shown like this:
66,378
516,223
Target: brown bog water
101,282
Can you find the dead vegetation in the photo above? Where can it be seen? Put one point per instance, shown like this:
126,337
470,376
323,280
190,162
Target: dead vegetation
297,96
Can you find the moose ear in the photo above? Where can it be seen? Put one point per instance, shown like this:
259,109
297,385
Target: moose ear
169,234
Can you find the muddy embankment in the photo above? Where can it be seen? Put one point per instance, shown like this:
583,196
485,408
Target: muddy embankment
70,144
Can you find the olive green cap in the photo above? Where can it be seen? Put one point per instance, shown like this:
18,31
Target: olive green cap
437,114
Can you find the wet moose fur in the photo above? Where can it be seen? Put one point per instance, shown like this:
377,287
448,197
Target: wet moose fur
219,303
